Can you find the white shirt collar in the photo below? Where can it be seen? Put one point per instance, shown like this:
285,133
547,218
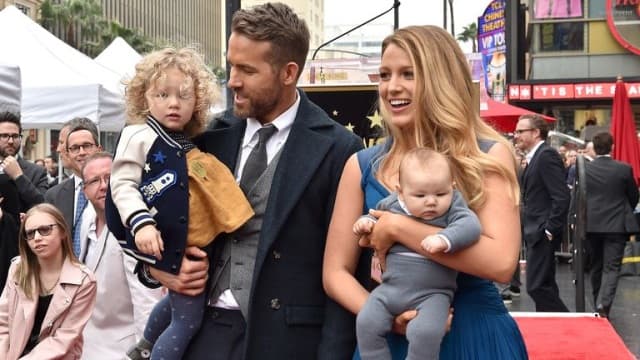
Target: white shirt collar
283,123
533,151
77,182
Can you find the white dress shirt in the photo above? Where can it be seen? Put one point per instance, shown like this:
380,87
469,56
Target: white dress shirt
123,304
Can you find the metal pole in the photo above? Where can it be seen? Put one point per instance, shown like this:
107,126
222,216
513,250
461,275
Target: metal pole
396,17
579,231
395,6
232,7
453,25
444,14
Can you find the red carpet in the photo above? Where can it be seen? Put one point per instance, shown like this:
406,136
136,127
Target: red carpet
559,336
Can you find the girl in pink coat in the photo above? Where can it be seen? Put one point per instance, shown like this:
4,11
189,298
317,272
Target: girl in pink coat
49,295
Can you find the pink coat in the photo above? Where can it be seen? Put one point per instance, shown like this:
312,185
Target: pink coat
69,310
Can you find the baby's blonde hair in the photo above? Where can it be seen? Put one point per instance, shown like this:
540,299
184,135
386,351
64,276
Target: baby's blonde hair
153,67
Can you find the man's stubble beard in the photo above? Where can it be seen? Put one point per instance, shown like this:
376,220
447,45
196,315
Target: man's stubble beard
4,153
260,105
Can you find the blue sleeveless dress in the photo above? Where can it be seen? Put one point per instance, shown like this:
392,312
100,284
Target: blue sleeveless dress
482,327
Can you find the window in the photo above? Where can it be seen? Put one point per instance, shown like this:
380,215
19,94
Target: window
597,9
24,8
567,36
557,9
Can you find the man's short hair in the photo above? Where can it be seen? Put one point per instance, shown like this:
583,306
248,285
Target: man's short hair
602,143
279,25
95,156
82,123
537,122
7,115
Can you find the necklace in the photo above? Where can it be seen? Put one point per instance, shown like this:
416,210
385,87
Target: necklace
48,291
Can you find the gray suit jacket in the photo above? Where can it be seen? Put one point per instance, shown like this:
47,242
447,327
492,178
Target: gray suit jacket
612,194
62,196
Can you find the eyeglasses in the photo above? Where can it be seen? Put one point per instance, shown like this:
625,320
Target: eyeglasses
96,181
74,149
43,230
14,137
520,131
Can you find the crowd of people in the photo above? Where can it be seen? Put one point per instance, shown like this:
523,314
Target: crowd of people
261,234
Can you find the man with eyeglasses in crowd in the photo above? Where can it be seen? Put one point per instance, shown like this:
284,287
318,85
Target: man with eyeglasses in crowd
30,179
81,142
545,202
123,304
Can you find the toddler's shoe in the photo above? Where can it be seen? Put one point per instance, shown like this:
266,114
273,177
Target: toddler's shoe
140,351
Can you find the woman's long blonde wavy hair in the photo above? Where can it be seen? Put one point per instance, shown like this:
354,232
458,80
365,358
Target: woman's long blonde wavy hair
152,68
446,115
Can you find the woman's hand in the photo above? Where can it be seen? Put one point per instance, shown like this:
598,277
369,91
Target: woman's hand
400,322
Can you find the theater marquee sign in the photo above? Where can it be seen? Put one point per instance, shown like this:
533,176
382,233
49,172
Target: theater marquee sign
623,18
570,91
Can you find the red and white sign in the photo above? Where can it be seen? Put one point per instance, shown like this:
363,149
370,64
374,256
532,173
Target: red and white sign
570,91
556,91
520,92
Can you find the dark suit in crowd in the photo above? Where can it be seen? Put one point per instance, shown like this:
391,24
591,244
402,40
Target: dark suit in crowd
31,185
287,303
545,203
612,194
8,244
545,200
62,196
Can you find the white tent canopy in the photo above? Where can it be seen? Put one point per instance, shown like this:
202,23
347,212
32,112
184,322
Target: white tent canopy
9,87
58,82
120,58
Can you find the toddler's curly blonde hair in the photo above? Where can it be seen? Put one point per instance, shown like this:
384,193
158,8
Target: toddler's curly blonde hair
153,67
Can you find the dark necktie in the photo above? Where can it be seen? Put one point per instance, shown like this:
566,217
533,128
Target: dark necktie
257,160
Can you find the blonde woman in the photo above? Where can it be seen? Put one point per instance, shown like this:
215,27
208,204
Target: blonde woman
426,97
49,295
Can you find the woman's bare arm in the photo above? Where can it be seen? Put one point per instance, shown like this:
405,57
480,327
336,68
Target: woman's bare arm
493,257
342,251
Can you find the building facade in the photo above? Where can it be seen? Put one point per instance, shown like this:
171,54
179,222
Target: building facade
180,23
363,42
564,58
28,7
